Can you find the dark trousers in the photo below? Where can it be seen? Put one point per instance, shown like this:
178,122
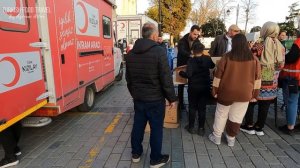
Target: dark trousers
263,109
9,139
180,92
197,102
154,112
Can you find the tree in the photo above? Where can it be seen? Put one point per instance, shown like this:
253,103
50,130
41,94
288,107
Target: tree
249,7
255,29
294,11
174,15
291,19
213,27
203,10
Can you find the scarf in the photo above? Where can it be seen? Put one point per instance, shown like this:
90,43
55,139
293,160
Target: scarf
273,50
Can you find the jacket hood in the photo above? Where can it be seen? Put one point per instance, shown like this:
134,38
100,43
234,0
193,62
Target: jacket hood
143,45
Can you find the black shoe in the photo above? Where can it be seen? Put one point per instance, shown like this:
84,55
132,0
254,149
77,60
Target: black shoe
7,162
156,164
247,129
286,130
135,158
17,151
190,130
201,131
297,127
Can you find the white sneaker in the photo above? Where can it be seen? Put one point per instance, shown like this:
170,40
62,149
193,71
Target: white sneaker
230,140
216,140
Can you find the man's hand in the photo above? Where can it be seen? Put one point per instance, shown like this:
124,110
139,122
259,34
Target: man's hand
253,100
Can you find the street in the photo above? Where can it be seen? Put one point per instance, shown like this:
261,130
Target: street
101,138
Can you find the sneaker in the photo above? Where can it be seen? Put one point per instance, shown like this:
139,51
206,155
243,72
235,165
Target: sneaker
286,130
17,151
135,158
259,131
214,139
164,160
230,140
247,129
201,131
7,162
190,130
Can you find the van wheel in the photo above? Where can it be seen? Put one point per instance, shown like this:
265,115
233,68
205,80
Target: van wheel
120,75
89,100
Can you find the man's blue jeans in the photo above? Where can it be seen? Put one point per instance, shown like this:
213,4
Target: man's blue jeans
154,112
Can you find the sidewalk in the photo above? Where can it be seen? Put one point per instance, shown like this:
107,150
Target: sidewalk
101,138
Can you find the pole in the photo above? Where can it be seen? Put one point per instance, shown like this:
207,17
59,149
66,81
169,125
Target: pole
159,18
237,14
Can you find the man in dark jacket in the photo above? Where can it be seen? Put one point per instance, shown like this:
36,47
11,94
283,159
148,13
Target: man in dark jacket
149,82
222,43
184,53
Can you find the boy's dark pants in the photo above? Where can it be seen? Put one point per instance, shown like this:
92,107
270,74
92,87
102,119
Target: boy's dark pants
197,102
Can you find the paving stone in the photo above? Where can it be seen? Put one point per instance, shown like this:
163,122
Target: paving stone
177,164
258,161
276,150
126,155
177,155
215,156
231,161
119,147
250,150
124,164
112,161
242,157
73,163
204,161
293,155
201,149
190,160
287,162
64,160
269,157
225,150
255,141
219,165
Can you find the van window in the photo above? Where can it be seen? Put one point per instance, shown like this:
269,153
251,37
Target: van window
106,27
14,16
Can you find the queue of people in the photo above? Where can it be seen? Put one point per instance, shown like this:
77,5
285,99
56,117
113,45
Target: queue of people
246,75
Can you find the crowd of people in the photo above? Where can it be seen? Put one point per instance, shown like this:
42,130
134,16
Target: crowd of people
246,74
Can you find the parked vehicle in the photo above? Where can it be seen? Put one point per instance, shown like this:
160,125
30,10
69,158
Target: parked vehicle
128,29
54,56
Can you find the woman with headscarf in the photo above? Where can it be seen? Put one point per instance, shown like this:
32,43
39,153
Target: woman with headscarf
270,52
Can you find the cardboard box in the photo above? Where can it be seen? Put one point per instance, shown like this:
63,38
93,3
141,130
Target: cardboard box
178,78
171,118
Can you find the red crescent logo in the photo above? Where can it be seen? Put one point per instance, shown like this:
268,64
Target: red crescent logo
17,69
86,23
16,11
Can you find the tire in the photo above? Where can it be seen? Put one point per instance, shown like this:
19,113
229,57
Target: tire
120,75
89,100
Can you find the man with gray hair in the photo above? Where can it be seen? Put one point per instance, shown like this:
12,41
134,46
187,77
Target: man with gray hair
149,82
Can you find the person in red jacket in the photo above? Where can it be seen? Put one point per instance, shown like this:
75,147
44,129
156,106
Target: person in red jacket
291,73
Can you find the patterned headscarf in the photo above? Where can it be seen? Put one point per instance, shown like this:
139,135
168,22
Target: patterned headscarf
273,50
